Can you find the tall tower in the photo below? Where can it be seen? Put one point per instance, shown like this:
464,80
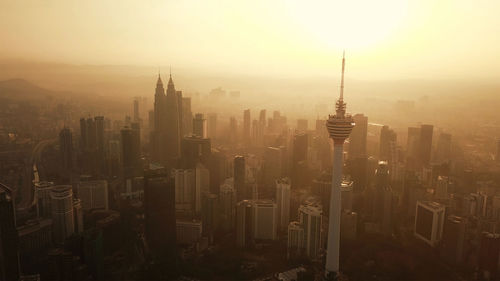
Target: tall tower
339,127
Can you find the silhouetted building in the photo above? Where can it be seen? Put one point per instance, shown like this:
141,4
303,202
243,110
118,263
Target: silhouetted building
159,212
429,222
195,149
199,126
264,220
443,149
93,194
244,234
454,239
489,250
239,178
62,213
358,137
212,126
187,117
425,144
310,220
227,202
130,152
388,138
43,200
246,126
302,125
283,202
9,241
66,149
299,162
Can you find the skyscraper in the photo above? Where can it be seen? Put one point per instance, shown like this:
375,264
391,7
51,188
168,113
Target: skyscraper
357,139
246,126
43,199
425,144
195,149
339,127
310,219
9,241
199,126
159,212
130,152
243,223
239,178
66,149
387,139
429,222
299,160
283,202
264,220
187,117
173,140
212,126
227,199
62,212
93,194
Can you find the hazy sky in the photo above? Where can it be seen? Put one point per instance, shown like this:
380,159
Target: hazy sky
383,38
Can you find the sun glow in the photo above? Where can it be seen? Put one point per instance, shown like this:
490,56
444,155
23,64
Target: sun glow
354,24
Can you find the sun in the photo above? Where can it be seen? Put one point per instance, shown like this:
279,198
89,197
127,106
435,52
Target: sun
350,24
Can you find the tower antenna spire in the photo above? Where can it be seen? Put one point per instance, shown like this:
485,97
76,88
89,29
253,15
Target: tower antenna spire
342,79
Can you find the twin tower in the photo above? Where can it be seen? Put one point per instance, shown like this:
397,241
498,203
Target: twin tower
167,125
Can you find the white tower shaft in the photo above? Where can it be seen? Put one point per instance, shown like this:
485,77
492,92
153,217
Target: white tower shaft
333,247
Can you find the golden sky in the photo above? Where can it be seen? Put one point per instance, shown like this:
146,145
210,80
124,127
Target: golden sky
383,39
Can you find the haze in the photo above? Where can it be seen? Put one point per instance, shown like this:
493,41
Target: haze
389,39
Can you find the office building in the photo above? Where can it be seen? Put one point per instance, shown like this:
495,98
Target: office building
202,186
425,147
78,215
283,186
295,242
443,148
210,214
43,199
349,223
489,249
187,117
239,178
212,126
264,220
199,126
454,239
188,232
358,137
185,189
346,191
244,234
195,149
388,138
9,241
310,219
299,160
302,125
63,220
429,221
246,126
159,213
227,205
93,194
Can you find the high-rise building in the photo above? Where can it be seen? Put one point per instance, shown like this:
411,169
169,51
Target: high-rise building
488,255
66,149
202,186
413,146
187,117
283,202
272,169
62,213
295,243
159,213
78,215
299,160
239,178
188,232
185,189
381,184
310,219
302,125
43,199
388,138
264,220
199,126
349,223
244,234
429,222
339,127
346,190
454,239
173,139
212,126
195,149
233,130
358,137
9,241
246,126
227,200
130,152
136,115
425,147
210,214
443,149
93,194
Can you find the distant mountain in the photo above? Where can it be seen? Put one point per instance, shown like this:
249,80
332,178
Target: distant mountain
20,89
